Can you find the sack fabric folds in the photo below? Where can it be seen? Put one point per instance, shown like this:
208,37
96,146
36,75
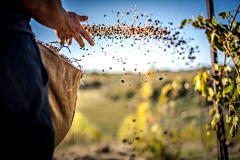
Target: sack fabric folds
64,82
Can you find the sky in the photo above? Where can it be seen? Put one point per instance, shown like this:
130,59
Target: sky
123,57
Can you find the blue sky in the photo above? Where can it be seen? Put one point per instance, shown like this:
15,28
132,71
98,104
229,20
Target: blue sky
137,60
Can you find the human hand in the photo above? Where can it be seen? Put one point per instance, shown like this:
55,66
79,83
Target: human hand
73,29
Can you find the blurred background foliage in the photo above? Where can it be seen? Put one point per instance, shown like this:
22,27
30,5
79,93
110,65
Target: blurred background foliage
155,114
81,132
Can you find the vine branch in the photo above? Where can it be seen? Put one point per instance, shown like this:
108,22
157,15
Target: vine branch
231,58
217,52
234,17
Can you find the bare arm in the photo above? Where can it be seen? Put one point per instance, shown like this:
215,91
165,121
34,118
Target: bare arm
66,24
47,12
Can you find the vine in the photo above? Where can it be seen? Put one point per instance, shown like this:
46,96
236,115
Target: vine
225,38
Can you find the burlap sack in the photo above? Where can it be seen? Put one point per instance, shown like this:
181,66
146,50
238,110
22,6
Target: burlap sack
63,87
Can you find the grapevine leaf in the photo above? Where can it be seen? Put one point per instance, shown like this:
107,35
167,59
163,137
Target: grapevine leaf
189,21
204,88
235,120
208,127
197,82
215,119
212,35
231,91
212,111
237,80
216,66
235,38
184,22
228,119
217,115
223,15
218,45
214,21
231,110
235,95
227,68
203,19
209,23
208,133
233,130
229,87
218,97
234,24
236,29
200,83
238,85
211,93
225,26
228,13
208,34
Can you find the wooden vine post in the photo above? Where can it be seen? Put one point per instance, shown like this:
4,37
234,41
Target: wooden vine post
220,130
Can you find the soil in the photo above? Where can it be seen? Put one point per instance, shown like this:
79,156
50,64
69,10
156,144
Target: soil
117,151
112,151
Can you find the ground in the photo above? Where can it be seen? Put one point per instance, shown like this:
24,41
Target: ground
116,151
111,151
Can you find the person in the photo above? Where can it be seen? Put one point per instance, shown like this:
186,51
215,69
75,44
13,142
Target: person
26,126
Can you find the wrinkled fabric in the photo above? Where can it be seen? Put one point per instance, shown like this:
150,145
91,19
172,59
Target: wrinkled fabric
26,124
63,88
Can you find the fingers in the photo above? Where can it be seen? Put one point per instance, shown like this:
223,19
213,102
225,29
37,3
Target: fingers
86,35
62,41
83,32
69,39
74,30
61,37
82,18
79,40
